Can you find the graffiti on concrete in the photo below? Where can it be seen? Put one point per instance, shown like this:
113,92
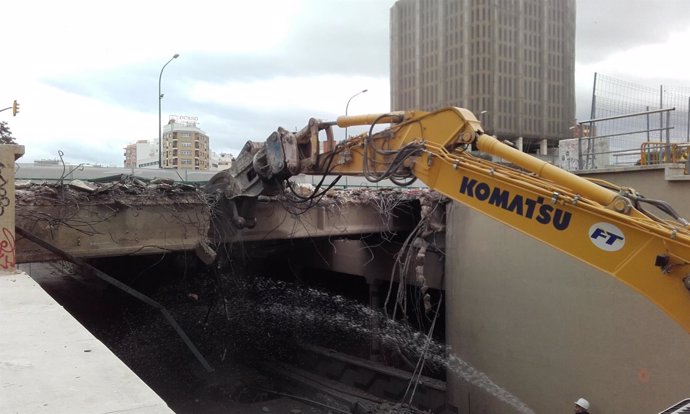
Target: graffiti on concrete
4,200
7,257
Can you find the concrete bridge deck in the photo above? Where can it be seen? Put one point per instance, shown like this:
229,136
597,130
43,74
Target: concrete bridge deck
126,218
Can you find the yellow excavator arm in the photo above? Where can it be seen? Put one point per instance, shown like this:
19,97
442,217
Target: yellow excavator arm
596,222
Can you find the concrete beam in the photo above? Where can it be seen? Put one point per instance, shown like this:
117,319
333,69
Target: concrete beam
112,229
274,222
167,225
374,262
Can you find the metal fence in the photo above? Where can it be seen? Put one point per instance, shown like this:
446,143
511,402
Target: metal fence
631,125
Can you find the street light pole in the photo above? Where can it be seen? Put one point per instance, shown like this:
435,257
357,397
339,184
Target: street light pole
160,98
348,105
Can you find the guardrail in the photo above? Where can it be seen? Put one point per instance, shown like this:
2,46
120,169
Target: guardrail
661,153
604,143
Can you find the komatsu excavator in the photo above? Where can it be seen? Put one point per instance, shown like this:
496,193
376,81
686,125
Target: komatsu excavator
601,224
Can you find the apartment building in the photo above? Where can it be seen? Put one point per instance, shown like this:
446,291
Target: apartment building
141,154
185,146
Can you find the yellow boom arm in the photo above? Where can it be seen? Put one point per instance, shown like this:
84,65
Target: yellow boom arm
601,227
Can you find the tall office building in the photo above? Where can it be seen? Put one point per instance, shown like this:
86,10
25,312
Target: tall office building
511,62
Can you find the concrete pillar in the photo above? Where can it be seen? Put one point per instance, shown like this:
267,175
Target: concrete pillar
519,143
9,153
543,147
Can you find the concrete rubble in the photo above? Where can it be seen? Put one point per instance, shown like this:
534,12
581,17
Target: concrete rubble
121,188
130,189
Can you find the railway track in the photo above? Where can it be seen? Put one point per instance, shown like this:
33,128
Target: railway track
349,384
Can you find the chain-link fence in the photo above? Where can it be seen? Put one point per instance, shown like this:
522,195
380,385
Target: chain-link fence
631,124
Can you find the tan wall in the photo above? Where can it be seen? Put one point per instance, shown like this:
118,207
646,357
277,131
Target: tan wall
650,182
550,329
9,153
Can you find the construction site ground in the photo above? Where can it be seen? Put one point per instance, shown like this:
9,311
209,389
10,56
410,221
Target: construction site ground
56,365
134,364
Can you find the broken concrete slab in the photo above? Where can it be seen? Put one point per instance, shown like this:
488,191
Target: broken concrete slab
83,186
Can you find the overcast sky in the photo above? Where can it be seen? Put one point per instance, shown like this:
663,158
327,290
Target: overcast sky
86,72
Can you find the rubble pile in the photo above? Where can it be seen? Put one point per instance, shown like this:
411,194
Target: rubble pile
124,189
136,191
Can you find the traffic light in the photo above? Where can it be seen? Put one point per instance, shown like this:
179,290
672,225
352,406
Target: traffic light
15,108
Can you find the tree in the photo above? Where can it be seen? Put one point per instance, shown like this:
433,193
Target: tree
5,134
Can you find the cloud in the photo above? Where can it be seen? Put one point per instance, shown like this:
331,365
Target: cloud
87,73
607,27
668,67
88,81
237,111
